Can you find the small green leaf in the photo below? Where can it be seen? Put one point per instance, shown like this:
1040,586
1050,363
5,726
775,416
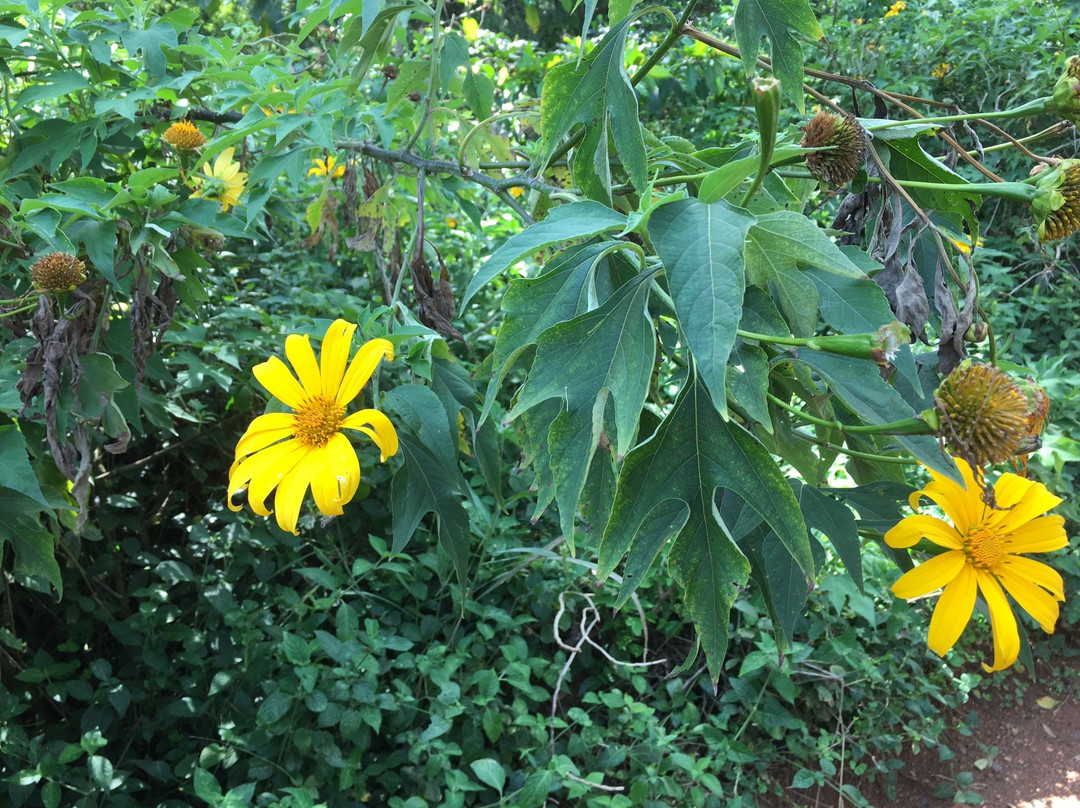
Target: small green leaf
35,548
273,708
490,772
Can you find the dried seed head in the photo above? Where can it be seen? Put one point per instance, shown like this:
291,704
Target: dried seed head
58,272
1066,95
838,165
1056,206
184,136
983,414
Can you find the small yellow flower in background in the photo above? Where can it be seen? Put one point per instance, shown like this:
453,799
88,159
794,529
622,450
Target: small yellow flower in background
941,71
326,168
291,451
451,222
516,191
858,21
983,547
964,245
895,9
184,136
224,182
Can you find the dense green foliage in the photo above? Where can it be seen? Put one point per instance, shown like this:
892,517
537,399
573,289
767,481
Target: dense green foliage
593,482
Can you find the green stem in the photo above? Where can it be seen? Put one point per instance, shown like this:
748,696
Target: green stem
13,312
900,461
907,426
1034,107
1016,191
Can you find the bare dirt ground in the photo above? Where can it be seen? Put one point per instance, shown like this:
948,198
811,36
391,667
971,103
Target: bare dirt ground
1035,727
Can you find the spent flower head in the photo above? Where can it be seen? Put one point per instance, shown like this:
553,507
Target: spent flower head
1056,206
982,414
57,272
843,144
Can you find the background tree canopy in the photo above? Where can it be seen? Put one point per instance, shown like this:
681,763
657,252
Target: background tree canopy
668,313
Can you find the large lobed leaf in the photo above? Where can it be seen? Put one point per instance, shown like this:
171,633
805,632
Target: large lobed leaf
667,488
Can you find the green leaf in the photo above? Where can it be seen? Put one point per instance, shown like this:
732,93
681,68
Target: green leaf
701,247
859,385
606,352
34,546
834,520
748,382
596,93
479,92
564,223
490,772
668,486
101,771
412,76
273,708
779,20
207,787
789,239
773,568
535,791
425,415
52,85
150,42
850,305
15,470
424,484
907,160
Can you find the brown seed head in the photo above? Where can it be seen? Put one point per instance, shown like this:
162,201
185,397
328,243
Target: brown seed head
184,136
57,272
983,412
839,165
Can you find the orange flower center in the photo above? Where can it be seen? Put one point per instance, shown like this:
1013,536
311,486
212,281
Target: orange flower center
984,548
317,420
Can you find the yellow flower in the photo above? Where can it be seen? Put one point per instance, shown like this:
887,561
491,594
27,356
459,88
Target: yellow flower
516,191
983,547
941,70
184,136
225,182
451,222
963,244
326,168
291,451
895,9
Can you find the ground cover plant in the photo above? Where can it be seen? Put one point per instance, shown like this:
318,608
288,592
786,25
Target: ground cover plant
430,403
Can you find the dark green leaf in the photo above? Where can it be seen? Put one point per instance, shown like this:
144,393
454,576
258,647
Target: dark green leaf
701,247
35,554
834,520
15,470
668,485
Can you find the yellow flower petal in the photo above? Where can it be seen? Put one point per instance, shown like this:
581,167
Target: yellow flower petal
377,427
293,486
930,575
335,353
275,376
1036,572
910,531
264,470
302,358
263,431
361,368
336,485
952,612
1035,501
1031,598
1002,623
1043,534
